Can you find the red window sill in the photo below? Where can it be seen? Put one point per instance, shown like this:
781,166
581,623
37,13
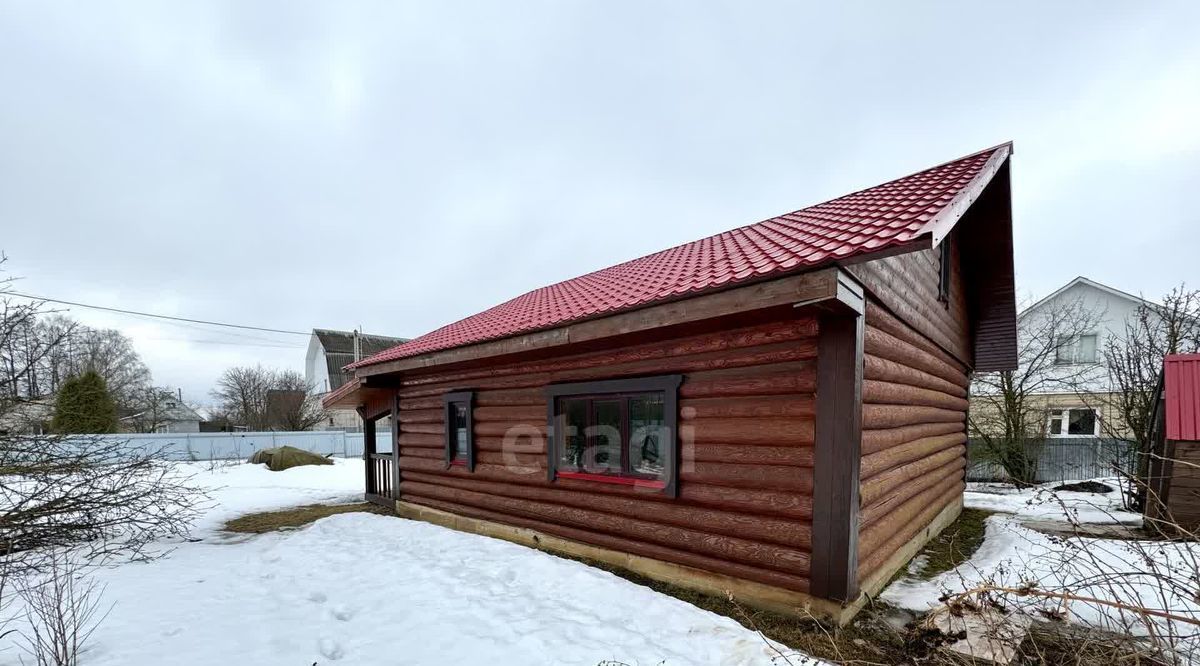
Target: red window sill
610,478
462,463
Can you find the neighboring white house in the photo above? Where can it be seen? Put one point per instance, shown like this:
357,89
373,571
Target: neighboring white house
1077,408
328,352
169,415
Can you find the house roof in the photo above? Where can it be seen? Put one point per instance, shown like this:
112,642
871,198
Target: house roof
1088,282
1181,388
920,206
338,347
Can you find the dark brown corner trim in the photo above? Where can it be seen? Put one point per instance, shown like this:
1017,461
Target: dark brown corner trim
838,444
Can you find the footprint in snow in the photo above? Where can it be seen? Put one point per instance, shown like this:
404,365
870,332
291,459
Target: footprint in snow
330,649
342,612
317,597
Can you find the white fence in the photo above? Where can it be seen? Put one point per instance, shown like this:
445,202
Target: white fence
235,445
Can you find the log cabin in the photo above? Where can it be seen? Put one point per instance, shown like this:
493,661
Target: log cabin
776,412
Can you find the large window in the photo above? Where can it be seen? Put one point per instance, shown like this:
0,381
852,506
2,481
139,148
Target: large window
1076,350
1074,422
460,439
617,431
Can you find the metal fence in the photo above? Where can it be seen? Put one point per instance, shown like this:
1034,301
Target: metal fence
241,445
1067,459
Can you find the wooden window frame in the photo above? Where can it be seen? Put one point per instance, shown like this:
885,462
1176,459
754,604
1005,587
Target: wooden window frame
667,385
449,400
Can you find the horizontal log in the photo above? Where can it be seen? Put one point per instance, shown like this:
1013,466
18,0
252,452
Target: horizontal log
898,416
513,459
519,414
421,415
881,484
486,471
511,398
881,345
513,443
875,391
791,533
878,440
435,454
878,317
786,406
715,565
885,527
422,440
875,367
765,431
512,430
419,404
869,564
780,379
795,479
786,505
766,355
424,428
888,503
801,456
767,556
887,459
713,342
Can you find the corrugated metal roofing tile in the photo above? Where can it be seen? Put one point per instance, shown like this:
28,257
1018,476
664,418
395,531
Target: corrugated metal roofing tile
864,221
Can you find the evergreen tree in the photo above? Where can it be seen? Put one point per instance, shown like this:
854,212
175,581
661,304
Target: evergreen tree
84,406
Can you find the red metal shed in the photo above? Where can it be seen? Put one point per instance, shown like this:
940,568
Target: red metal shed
1174,483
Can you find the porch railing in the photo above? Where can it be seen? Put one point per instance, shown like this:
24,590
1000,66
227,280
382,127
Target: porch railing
379,480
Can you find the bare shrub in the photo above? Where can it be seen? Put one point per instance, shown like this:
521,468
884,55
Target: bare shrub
62,609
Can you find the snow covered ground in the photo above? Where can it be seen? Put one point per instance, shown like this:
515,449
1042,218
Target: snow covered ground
1042,503
368,589
1152,574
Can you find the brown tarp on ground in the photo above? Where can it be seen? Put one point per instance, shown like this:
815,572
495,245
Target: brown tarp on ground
285,457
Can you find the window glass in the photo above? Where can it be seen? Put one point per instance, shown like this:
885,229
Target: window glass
647,434
1081,422
1086,351
575,413
1055,423
459,412
1063,354
605,434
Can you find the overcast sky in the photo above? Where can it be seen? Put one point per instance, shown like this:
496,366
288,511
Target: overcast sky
400,165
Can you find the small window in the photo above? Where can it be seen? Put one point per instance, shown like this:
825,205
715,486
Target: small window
460,440
944,272
1074,422
618,431
1076,350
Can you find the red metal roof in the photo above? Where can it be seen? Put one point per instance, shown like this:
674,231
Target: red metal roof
1181,384
873,219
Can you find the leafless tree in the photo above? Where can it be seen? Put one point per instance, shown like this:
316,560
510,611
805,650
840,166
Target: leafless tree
62,609
1135,361
264,399
95,497
152,407
1008,414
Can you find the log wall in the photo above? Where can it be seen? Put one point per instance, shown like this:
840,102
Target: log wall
746,429
914,435
907,284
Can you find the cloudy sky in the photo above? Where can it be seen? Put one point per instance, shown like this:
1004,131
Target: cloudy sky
400,165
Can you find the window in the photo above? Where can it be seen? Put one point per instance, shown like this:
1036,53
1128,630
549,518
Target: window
460,438
1074,422
1076,350
617,431
944,272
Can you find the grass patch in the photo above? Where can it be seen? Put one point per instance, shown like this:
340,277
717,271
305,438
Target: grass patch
955,545
271,521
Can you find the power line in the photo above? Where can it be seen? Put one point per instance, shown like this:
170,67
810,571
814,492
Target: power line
150,314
